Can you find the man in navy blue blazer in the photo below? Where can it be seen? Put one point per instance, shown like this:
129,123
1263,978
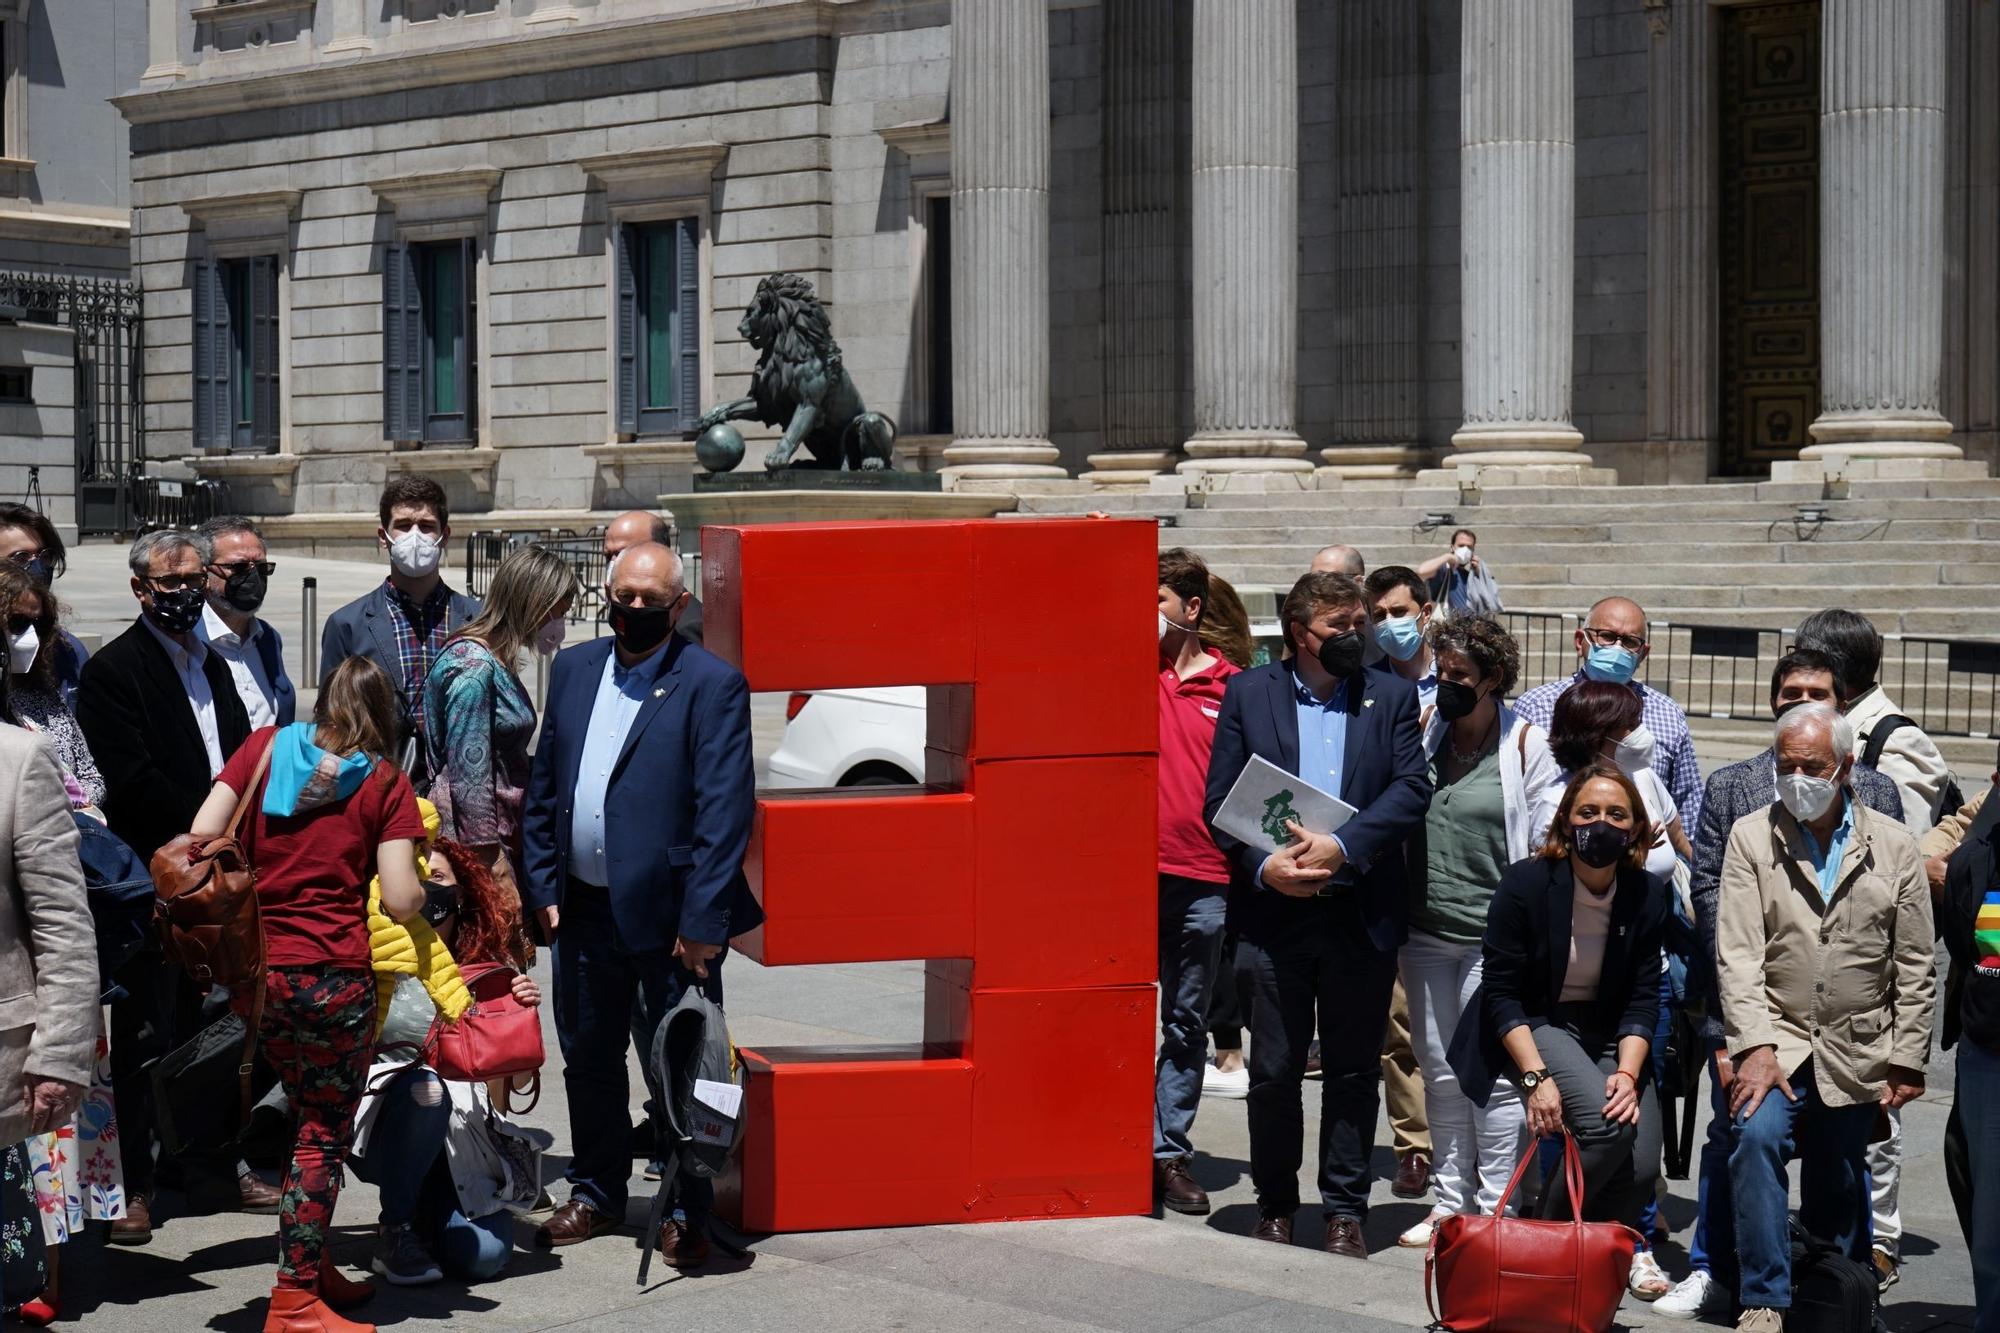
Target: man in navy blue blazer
637,817
1319,921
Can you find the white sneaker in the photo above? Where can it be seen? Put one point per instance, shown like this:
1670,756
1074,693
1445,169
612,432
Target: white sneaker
1697,1294
1233,1084
1418,1237
1647,1282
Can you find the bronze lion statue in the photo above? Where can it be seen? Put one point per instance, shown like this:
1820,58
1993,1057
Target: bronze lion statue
800,384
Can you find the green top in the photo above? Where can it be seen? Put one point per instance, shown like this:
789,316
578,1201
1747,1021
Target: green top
1465,835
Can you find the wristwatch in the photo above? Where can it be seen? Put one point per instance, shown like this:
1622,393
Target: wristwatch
1531,1079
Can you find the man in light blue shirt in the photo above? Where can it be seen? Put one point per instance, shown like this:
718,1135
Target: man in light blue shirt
620,691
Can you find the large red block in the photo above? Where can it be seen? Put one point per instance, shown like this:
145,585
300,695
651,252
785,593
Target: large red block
858,879
840,1138
821,606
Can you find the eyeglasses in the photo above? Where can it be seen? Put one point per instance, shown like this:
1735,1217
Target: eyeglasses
1605,638
176,582
24,557
264,567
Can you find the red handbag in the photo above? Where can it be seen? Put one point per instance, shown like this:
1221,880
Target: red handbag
498,1037
1502,1274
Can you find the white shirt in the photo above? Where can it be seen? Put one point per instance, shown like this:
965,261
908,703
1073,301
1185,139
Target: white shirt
188,666
246,665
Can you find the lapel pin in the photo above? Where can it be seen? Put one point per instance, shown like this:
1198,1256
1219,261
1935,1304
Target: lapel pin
1367,703
660,693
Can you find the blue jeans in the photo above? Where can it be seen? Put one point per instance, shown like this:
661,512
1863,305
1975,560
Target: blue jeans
1712,1250
1649,1214
406,1163
1979,1113
596,980
1190,953
1831,1144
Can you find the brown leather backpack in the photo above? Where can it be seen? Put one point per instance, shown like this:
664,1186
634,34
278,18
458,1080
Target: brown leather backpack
206,914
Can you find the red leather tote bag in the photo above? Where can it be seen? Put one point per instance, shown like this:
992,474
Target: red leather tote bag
498,1037
1505,1274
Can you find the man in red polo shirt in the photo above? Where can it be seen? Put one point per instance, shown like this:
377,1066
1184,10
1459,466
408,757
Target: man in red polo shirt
1193,876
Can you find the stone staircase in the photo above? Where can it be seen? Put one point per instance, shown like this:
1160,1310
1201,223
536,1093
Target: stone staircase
1919,558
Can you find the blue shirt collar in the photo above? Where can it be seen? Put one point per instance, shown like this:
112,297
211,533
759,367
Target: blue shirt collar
1302,693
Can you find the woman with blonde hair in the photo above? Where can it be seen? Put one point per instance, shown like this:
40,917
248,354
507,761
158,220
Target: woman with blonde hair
328,810
478,715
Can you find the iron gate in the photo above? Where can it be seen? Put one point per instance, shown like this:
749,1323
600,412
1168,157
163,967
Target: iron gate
110,432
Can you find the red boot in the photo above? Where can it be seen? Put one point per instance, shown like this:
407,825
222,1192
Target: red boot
339,1290
296,1311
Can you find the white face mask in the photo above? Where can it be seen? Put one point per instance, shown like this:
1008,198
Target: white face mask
21,650
550,636
414,554
1805,796
1636,750
1169,627
1464,554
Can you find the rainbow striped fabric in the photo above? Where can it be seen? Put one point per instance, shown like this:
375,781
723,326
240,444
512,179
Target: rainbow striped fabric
1986,931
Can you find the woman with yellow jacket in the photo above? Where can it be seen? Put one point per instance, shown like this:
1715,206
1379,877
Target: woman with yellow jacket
441,1212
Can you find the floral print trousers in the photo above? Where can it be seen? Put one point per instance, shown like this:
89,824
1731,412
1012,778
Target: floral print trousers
316,1032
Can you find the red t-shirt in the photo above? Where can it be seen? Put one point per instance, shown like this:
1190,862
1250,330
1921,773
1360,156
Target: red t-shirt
1188,710
313,869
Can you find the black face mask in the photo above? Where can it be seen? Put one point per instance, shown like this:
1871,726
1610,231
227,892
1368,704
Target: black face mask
1600,843
1340,655
177,612
245,589
639,629
1455,701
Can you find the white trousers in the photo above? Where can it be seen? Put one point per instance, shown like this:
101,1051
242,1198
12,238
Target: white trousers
1474,1149
1885,1177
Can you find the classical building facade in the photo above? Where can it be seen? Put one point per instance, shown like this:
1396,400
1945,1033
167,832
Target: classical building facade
508,242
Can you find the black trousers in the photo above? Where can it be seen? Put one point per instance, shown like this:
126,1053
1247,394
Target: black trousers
159,1010
1309,964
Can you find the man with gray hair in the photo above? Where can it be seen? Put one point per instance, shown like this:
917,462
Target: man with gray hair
1824,974
239,577
161,715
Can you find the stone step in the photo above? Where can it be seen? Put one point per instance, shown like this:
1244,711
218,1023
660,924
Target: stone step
1493,518
1969,562
1563,597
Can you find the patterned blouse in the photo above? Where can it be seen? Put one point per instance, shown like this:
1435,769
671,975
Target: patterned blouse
479,723
45,711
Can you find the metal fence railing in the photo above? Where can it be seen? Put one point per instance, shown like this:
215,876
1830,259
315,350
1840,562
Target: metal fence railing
1951,687
158,502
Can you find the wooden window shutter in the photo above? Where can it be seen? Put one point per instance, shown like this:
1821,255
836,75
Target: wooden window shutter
468,304
264,351
628,330
687,258
211,357
402,346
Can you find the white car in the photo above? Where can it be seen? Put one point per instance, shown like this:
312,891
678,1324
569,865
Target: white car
875,737
852,738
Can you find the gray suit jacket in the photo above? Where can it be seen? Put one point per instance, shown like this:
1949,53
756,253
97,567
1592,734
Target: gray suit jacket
48,947
362,629
1733,792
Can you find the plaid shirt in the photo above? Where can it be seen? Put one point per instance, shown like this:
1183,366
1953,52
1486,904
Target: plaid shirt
1673,747
420,634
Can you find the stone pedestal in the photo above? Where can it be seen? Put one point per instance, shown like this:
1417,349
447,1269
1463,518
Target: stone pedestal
1000,242
1518,172
1246,239
1882,188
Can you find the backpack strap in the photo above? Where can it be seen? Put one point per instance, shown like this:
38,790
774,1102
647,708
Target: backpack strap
250,789
1877,739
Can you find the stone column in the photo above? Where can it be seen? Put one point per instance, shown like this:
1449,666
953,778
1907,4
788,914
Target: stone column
1000,241
1517,141
1882,183
350,29
163,36
1683,396
1246,239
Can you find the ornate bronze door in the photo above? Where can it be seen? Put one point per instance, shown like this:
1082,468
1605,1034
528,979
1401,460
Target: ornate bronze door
1769,232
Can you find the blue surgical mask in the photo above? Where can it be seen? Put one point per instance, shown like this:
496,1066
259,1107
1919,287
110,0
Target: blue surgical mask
1400,637
1612,663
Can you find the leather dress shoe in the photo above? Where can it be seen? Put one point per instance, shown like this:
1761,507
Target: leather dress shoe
1177,1188
681,1246
255,1196
136,1227
1343,1237
1278,1230
572,1223
1413,1177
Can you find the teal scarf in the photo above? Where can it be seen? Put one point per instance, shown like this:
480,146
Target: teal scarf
305,777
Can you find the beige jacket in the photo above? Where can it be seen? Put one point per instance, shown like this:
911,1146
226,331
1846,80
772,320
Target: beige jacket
1849,984
1947,833
48,947
1910,759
